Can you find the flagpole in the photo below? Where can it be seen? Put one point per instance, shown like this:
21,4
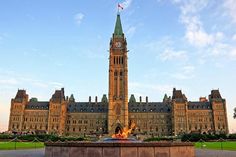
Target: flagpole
118,8
118,11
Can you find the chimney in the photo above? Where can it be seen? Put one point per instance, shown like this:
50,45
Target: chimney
89,99
96,99
140,99
146,99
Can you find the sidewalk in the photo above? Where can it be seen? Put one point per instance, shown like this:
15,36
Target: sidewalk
22,153
214,153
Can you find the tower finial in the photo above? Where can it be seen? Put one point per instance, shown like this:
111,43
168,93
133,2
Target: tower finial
118,32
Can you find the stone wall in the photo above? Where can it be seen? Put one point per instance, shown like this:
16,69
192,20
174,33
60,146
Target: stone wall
100,149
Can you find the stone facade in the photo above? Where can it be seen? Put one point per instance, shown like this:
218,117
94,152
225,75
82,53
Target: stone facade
173,116
118,80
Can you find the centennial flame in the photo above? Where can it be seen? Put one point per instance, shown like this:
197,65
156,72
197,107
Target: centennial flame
124,133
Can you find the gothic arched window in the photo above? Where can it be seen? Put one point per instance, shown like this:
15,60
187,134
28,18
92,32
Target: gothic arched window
115,73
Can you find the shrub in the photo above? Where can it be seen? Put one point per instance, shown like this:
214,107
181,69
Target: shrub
152,139
6,136
232,136
205,137
158,139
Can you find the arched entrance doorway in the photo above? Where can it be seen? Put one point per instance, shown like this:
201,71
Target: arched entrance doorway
118,130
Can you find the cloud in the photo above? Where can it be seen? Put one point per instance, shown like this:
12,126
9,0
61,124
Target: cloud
218,49
170,54
78,18
165,51
136,86
198,38
159,45
125,4
93,53
40,83
10,81
188,69
230,6
186,72
195,33
191,7
233,53
56,84
234,37
131,30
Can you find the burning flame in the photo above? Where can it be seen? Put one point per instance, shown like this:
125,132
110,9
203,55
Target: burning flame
124,133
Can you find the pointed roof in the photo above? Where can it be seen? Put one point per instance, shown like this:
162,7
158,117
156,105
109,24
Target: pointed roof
118,32
132,99
72,99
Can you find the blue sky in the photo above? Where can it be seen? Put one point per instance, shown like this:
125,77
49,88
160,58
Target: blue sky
187,44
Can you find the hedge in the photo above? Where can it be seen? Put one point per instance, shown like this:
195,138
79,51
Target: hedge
204,137
42,138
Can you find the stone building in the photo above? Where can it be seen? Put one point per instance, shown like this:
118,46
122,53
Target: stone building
173,116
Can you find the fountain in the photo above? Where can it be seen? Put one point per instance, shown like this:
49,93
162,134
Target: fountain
119,145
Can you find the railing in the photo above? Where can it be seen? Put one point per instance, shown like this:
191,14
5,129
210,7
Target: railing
21,144
220,144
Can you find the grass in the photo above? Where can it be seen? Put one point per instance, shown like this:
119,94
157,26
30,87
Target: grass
226,145
20,145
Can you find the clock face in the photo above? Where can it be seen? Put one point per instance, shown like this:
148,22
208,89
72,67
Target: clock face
118,44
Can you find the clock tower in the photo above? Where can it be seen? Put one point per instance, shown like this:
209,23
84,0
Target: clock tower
118,80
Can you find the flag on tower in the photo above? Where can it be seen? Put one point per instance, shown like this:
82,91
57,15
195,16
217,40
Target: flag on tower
119,6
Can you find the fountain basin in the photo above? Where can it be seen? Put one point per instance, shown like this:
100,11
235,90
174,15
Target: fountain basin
119,149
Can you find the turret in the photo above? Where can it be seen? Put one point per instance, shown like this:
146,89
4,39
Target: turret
18,104
104,98
132,99
58,96
179,113
71,99
219,112
57,112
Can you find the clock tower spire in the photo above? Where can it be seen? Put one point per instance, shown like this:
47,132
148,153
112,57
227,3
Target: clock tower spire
118,32
118,80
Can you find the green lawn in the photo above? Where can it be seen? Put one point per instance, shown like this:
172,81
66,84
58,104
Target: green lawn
20,145
227,145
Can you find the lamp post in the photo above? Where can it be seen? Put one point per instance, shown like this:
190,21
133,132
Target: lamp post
84,132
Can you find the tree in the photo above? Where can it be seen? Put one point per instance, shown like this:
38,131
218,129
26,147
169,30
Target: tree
235,113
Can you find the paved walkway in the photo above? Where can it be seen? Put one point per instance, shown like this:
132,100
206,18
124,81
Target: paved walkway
22,153
214,153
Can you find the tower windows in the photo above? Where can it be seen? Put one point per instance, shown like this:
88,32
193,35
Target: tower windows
116,60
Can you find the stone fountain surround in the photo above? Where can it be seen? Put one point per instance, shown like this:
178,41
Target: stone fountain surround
119,149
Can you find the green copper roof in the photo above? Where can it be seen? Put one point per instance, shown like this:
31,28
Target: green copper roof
118,28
